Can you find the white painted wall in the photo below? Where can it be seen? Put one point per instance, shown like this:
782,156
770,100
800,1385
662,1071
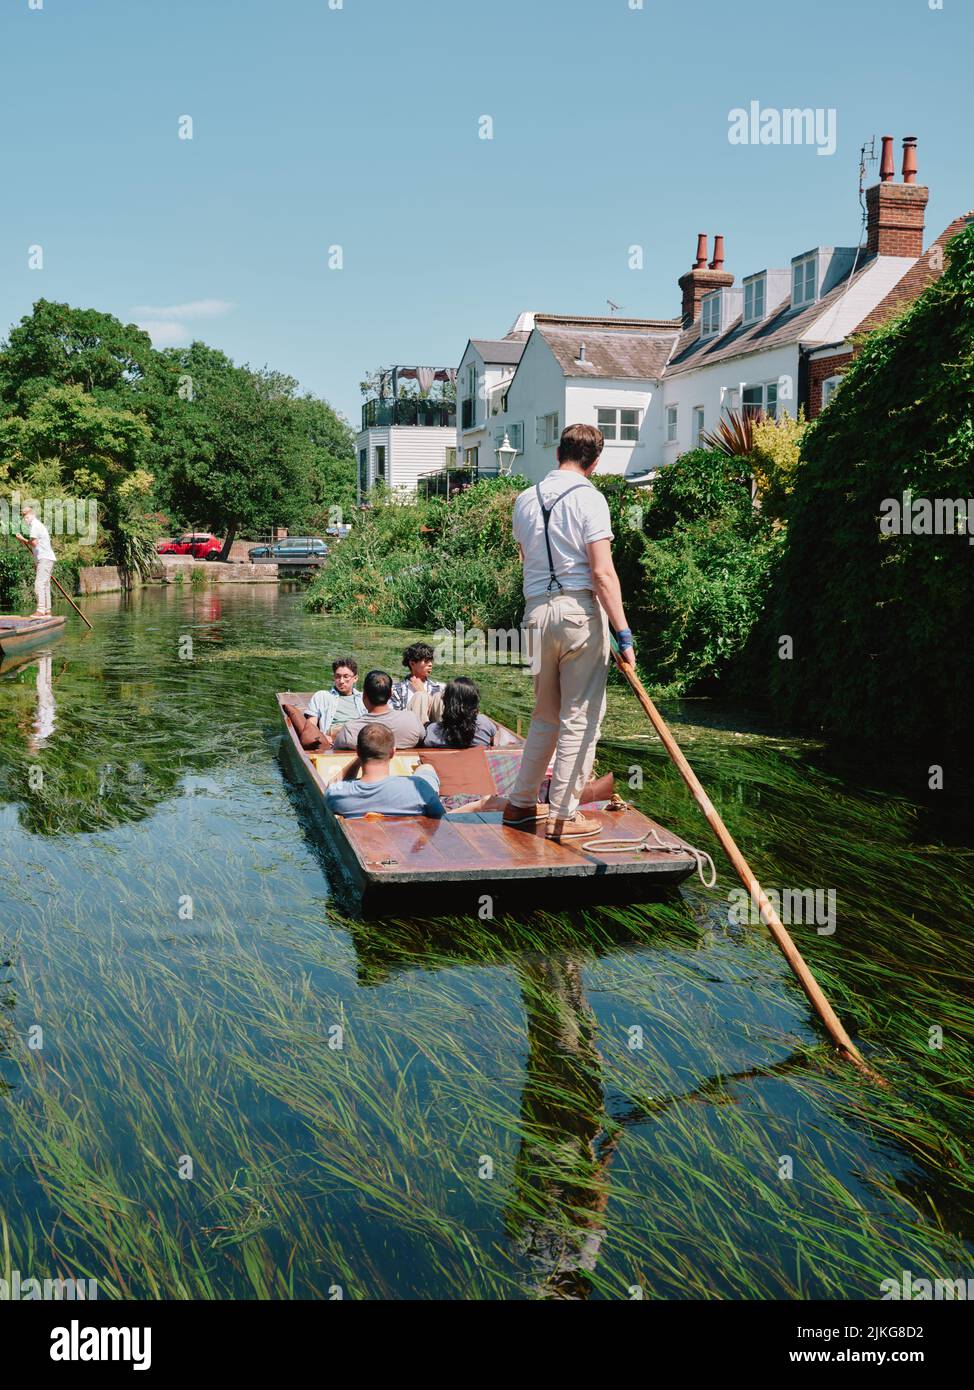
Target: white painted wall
584,399
410,451
489,375
539,387
719,385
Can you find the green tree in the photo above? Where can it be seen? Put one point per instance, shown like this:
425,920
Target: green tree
228,443
328,446
57,345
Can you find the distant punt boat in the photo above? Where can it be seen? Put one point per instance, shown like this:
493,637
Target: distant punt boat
20,634
473,850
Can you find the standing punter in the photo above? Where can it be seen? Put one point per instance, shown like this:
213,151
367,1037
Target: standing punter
570,588
44,557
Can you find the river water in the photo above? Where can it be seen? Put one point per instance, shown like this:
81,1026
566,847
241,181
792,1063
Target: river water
217,1079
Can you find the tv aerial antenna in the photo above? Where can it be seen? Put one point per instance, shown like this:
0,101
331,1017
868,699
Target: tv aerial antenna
867,156
613,306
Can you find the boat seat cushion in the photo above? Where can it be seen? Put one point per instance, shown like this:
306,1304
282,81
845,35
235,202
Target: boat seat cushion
460,770
330,766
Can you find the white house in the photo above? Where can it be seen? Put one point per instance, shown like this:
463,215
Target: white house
406,437
486,367
777,341
600,371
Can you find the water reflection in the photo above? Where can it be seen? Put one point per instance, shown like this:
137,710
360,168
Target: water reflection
46,719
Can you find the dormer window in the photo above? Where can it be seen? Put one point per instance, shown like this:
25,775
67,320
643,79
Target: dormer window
710,314
804,280
755,294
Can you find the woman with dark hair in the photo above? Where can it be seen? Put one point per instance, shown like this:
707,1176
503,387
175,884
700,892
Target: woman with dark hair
461,725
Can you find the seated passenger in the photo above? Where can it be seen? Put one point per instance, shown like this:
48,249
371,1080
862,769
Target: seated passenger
329,709
461,725
416,691
380,791
404,724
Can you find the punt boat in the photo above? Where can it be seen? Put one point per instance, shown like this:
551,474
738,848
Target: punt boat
20,634
472,850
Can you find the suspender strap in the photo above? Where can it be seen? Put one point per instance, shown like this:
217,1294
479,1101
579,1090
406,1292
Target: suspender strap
554,582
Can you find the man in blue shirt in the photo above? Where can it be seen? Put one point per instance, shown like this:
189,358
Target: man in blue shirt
379,791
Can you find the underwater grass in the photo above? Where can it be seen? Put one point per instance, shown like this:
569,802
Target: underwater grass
486,1129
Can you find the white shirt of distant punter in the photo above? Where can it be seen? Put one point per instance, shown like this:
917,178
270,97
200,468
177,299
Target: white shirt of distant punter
40,537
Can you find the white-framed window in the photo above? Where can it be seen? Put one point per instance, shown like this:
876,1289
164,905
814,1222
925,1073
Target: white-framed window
619,423
804,278
471,457
547,430
698,426
709,314
761,399
514,432
755,291
380,462
830,385
672,419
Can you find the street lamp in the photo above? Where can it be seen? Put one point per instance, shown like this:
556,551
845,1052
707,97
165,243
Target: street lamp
506,454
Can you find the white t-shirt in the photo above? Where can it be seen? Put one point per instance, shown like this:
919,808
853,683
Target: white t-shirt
575,522
38,532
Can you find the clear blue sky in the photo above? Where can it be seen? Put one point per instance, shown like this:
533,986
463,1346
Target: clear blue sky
359,126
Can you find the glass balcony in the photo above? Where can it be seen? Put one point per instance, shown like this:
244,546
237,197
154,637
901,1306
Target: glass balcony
409,411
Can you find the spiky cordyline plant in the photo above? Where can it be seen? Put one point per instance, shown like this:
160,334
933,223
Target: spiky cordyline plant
734,434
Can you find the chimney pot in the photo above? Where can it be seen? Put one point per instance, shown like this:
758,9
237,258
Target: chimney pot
886,170
701,260
718,261
909,159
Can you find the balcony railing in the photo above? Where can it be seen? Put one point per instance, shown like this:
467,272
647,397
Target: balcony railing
409,411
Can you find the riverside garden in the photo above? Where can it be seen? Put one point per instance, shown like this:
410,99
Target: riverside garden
219,1080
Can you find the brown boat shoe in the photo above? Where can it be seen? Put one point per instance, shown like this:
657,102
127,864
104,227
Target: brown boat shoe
524,817
576,827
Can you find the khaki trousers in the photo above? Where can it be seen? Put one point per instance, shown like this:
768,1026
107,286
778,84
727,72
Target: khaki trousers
42,585
427,708
569,645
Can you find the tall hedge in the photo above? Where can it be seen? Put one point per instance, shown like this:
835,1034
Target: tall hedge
882,623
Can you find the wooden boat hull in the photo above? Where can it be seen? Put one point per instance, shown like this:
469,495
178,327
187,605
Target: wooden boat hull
21,634
475,852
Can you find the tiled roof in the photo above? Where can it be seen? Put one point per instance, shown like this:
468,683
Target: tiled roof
611,321
616,353
915,281
782,327
504,351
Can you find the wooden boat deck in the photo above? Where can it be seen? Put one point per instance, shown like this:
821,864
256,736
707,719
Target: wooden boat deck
18,634
475,847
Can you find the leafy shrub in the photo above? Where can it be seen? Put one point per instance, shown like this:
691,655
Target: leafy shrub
881,623
16,574
428,564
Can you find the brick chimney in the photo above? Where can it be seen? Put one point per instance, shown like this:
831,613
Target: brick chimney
895,211
702,278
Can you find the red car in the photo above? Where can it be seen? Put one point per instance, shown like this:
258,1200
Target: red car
200,544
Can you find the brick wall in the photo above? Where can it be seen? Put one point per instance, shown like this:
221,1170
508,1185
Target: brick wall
895,218
820,370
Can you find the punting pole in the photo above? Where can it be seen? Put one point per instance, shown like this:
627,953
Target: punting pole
769,917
